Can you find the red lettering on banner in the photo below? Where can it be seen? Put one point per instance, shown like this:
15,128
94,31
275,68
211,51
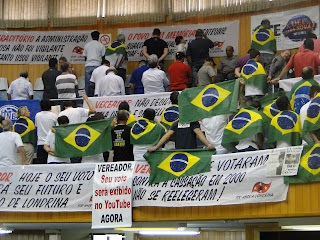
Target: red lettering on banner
110,104
143,168
4,177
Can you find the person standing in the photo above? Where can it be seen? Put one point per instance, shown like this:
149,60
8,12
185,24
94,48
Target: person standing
49,80
180,73
93,52
135,80
66,83
21,88
111,84
98,74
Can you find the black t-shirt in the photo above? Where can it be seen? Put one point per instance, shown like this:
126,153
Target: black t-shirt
198,49
49,83
156,46
185,137
122,149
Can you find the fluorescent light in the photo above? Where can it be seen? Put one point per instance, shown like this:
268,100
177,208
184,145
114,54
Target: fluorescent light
169,233
5,231
144,229
302,227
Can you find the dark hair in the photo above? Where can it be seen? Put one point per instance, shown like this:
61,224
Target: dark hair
95,35
149,114
178,39
105,61
122,115
64,66
256,104
53,62
67,104
311,35
308,44
265,22
24,74
282,103
307,72
144,62
156,32
63,59
174,97
314,89
45,105
254,53
124,106
250,50
63,120
98,116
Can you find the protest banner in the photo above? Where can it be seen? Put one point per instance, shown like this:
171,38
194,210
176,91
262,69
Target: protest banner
286,84
9,108
39,47
111,201
222,34
290,27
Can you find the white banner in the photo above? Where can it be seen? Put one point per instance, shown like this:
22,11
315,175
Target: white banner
234,179
287,84
137,102
290,27
112,188
222,34
39,47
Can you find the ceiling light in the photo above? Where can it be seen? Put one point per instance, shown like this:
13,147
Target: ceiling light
5,231
302,227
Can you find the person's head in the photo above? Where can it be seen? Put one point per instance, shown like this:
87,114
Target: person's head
180,56
229,51
265,22
142,63
105,62
124,106
308,44
45,105
112,69
53,63
283,103
6,125
250,50
67,104
307,73
62,60
311,35
174,97
286,54
255,54
24,74
179,40
199,33
63,120
95,35
209,61
153,61
23,112
122,116
149,114
64,66
98,116
121,38
156,32
256,105
314,90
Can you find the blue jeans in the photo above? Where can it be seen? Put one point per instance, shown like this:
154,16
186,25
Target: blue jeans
195,68
87,76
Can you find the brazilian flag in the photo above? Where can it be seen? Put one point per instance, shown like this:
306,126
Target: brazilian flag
312,119
83,139
285,126
170,115
300,94
208,101
246,123
263,39
254,74
145,132
170,164
116,47
309,169
26,129
131,119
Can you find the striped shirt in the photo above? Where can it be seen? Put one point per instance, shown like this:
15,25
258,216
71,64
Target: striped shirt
66,84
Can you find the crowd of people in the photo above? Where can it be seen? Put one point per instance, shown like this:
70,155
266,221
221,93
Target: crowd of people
105,72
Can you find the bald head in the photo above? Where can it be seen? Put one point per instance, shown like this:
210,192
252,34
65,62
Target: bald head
7,125
307,73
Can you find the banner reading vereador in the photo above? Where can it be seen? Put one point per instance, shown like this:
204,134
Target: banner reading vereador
222,34
290,27
39,47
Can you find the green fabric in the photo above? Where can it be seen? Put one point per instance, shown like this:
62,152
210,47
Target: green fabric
269,43
116,47
83,139
26,129
168,165
254,74
170,115
312,120
207,101
300,94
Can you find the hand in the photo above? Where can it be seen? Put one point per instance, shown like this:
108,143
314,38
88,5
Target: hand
51,152
85,97
53,130
151,149
242,82
269,79
274,81
26,163
211,147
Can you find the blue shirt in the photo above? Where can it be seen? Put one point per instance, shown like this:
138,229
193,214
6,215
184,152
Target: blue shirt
136,79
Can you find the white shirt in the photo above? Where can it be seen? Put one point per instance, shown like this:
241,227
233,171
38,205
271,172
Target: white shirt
97,75
9,142
247,142
139,151
75,115
98,158
154,80
44,120
50,141
94,51
20,89
251,90
111,85
303,112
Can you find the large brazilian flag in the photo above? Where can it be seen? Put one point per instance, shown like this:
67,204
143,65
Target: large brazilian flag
116,47
208,101
26,129
254,74
170,115
312,119
263,39
83,139
171,164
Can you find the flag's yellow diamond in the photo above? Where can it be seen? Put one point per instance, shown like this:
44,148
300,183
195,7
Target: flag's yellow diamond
142,127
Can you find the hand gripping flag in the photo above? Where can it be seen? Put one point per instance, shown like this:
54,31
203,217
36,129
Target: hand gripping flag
263,39
312,119
254,74
309,169
208,101
170,115
117,47
83,139
246,123
285,126
145,132
168,165
26,129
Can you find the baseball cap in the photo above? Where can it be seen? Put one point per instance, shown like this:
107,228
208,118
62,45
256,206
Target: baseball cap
210,59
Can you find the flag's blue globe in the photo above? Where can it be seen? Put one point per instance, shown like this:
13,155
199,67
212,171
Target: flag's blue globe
82,137
241,120
139,127
210,97
250,67
171,114
287,120
262,35
21,126
179,162
274,109
314,159
314,108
